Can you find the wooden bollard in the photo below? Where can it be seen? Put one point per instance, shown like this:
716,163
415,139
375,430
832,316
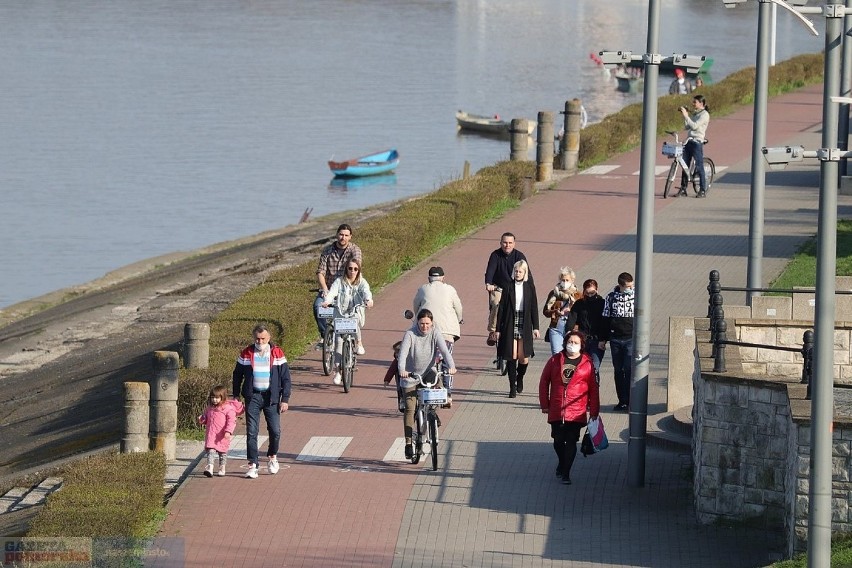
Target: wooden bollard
196,345
570,147
466,171
518,135
136,399
544,148
164,391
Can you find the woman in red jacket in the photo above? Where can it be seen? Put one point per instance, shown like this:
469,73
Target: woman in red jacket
566,390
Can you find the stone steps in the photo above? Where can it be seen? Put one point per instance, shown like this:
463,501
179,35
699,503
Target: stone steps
672,430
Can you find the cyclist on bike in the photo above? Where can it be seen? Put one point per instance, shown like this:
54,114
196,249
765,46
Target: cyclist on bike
332,262
443,301
345,293
696,126
420,345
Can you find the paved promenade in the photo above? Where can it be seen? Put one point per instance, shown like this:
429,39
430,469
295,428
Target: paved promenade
346,497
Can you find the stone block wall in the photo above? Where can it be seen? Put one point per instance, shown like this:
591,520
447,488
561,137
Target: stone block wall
751,451
783,364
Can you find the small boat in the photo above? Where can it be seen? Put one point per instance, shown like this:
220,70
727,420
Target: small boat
378,163
345,183
489,124
628,83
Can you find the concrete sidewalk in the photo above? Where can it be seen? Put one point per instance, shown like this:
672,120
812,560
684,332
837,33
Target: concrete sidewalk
346,497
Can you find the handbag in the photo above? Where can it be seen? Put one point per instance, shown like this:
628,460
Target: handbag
594,440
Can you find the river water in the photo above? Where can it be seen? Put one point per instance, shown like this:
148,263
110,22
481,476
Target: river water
133,129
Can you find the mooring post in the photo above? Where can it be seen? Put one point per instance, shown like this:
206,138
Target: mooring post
164,391
570,146
721,336
544,148
196,345
713,287
808,359
136,399
518,136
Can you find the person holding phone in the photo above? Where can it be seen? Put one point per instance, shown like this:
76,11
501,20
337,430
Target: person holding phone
693,150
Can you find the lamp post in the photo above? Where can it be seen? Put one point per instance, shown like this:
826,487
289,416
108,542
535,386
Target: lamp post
645,237
822,402
765,25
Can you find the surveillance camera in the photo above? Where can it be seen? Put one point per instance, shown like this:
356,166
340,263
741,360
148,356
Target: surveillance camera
778,157
733,3
613,58
692,63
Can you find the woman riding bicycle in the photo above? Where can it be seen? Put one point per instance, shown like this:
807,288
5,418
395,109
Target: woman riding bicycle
696,126
345,293
420,345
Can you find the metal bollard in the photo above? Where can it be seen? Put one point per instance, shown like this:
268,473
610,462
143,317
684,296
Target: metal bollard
518,140
808,356
196,345
136,397
721,336
164,391
570,147
544,148
714,287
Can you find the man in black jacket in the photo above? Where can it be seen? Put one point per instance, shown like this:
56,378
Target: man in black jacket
498,274
618,317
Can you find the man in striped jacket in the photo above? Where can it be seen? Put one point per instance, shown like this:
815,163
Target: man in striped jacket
262,377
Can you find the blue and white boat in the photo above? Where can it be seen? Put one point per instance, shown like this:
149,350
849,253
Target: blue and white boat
378,163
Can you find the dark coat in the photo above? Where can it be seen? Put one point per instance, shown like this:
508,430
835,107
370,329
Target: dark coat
506,320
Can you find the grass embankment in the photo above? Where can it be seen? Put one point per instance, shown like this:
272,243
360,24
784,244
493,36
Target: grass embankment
801,270
391,246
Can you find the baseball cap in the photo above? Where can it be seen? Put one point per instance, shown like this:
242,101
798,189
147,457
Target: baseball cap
678,72
436,271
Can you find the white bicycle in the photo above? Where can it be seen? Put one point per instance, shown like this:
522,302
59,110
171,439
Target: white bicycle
675,152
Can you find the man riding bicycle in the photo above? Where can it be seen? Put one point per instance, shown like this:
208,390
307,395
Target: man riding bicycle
332,263
696,126
420,345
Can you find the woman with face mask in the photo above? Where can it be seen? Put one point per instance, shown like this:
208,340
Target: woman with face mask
557,307
566,389
589,313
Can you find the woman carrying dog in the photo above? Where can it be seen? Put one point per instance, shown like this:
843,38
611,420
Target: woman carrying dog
557,307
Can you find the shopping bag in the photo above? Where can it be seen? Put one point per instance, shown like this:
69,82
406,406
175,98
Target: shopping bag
594,440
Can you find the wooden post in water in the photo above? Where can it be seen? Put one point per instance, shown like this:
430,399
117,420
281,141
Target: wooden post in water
164,391
570,146
544,148
196,345
136,397
466,171
518,139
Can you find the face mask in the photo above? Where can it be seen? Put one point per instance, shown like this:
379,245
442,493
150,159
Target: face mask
628,291
563,285
591,295
572,349
261,346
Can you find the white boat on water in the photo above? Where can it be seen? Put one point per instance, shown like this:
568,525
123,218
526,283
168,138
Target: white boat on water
489,124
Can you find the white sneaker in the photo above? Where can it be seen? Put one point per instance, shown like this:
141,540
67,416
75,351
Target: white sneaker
208,471
338,380
252,472
273,465
361,350
221,472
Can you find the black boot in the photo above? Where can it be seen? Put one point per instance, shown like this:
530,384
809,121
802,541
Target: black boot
512,366
522,370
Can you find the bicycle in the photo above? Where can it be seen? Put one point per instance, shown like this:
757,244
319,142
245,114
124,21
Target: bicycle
346,328
327,313
425,430
675,153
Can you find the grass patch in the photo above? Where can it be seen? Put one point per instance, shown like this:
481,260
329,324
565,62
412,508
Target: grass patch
841,555
801,270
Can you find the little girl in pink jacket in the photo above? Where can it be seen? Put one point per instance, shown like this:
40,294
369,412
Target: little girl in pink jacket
219,420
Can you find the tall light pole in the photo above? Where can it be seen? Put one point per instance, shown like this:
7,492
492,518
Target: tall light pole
765,25
645,238
822,400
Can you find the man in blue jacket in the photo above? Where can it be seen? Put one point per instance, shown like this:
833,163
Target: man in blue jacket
262,377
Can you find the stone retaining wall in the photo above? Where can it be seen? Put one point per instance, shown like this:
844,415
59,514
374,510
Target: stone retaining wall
751,450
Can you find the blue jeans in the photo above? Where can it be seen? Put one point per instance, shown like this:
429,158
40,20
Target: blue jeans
320,321
557,336
694,151
596,353
260,401
622,361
